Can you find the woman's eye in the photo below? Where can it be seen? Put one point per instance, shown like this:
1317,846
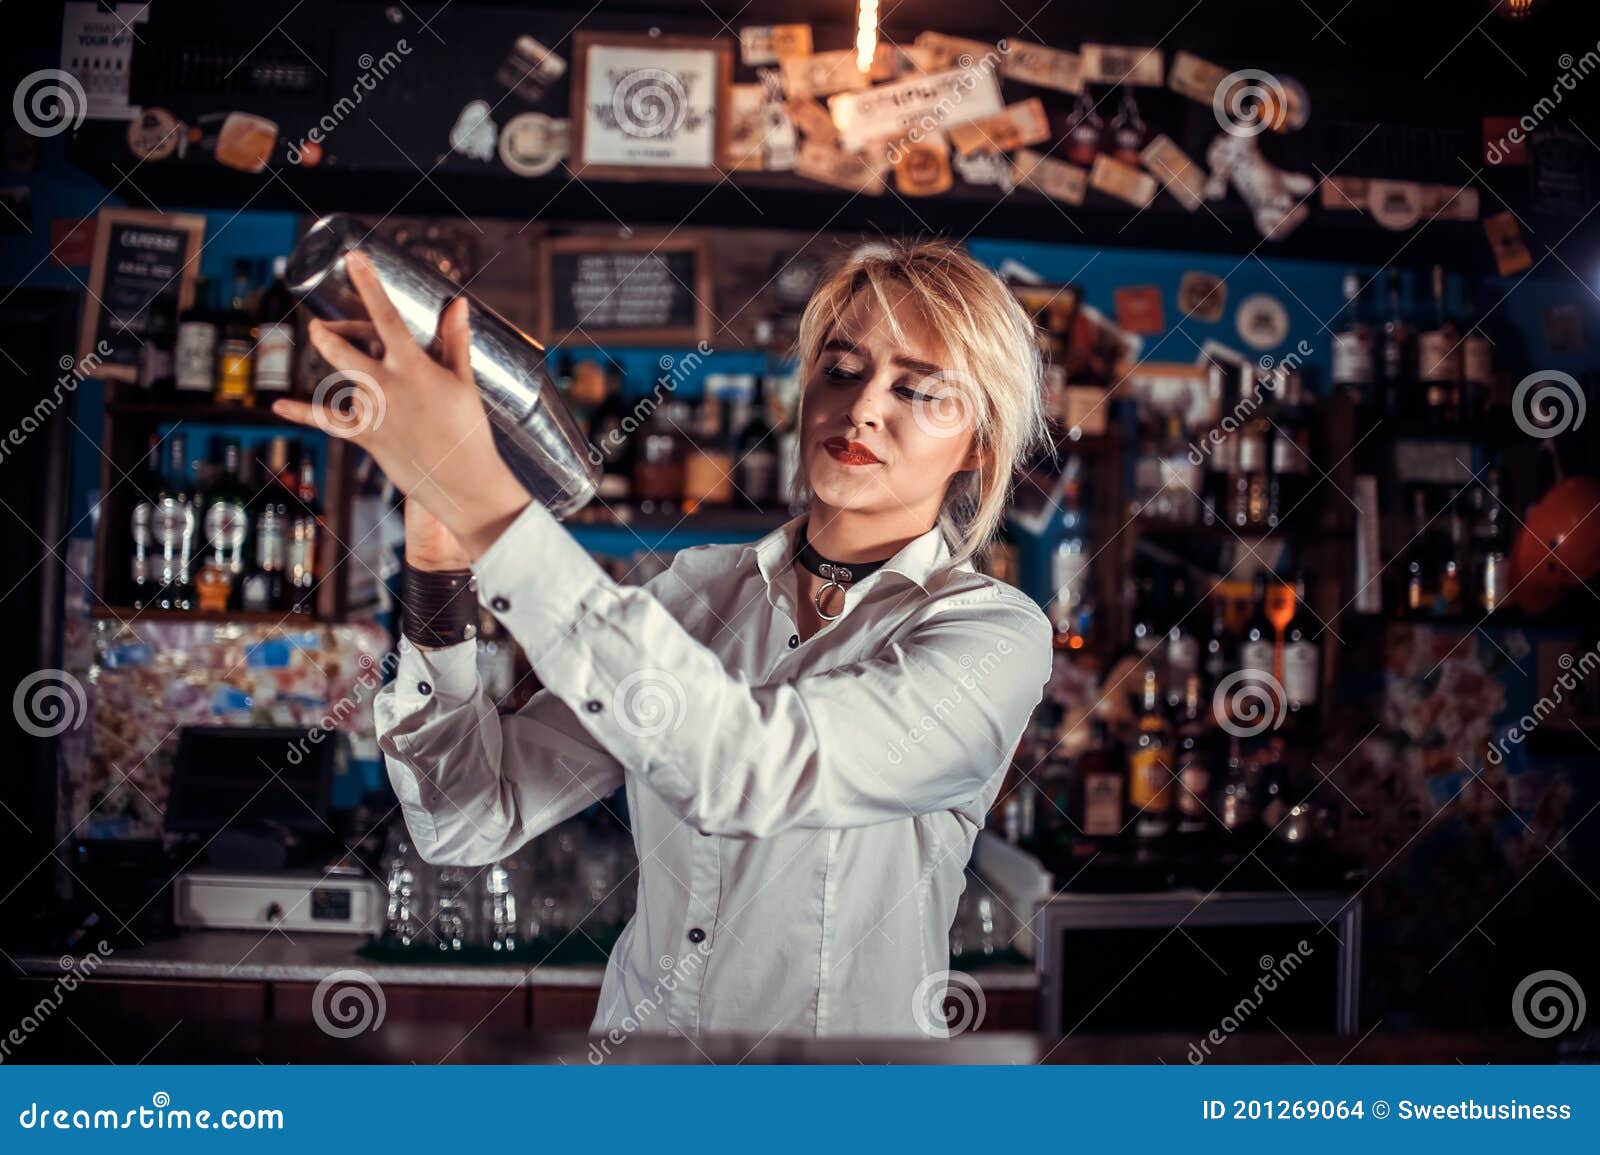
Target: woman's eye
911,394
839,373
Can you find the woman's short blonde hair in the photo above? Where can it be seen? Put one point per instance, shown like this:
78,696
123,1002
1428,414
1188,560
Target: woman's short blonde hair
991,355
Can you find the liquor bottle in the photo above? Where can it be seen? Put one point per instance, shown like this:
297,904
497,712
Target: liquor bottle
154,375
1352,345
610,440
1084,131
1302,659
274,349
225,522
266,584
756,451
1439,359
1237,808
658,467
1477,361
1419,571
1289,477
174,524
1183,653
1251,481
707,462
236,349
1127,135
1395,361
1192,769
1100,771
1149,766
1279,605
305,541
144,573
1491,579
1452,573
195,352
1258,642
1272,791
1217,484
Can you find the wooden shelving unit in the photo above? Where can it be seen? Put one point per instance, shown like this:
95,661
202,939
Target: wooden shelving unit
129,420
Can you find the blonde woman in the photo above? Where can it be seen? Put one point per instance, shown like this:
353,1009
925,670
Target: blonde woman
810,729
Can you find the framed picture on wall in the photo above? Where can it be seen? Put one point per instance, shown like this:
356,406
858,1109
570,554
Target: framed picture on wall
141,276
637,290
649,106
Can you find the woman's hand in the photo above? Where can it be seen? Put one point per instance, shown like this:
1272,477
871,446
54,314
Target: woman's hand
429,545
420,417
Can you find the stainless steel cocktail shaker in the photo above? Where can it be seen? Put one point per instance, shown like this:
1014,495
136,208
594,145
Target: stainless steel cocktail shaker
532,427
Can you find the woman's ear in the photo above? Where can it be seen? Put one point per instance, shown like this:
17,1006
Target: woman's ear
974,457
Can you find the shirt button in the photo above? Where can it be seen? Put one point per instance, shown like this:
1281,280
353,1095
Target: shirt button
794,640
424,689
696,934
499,605
593,705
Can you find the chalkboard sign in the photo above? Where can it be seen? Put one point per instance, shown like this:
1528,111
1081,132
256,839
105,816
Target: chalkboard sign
605,290
141,278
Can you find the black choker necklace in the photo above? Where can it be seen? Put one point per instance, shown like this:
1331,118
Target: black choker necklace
834,573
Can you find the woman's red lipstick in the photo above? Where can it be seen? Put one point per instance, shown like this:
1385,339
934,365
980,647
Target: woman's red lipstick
850,452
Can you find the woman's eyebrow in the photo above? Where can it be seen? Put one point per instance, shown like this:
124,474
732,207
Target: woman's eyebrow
926,368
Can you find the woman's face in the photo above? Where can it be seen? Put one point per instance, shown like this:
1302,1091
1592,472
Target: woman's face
885,426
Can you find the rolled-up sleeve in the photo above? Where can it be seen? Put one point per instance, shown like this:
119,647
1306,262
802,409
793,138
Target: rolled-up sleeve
921,726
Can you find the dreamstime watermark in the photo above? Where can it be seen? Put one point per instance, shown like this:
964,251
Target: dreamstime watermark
372,70
73,373
943,415
1547,403
971,72
49,702
1274,973
1247,102
678,971
49,102
674,372
1548,1003
77,970
347,403
1249,702
348,1003
1564,683
649,703
1497,150
1274,373
370,679
947,1004
973,670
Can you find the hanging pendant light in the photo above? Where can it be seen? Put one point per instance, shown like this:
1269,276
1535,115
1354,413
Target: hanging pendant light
866,34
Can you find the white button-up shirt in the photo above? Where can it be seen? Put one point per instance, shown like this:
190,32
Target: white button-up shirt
803,811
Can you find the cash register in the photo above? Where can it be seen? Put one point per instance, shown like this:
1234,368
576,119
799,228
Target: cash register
249,814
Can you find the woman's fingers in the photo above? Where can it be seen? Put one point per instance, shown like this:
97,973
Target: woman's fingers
345,417
455,339
340,353
391,328
364,334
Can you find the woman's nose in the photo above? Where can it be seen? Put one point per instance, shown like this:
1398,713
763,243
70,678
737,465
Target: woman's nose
866,407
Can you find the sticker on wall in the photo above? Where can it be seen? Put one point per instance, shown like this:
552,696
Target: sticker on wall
1202,296
1395,204
923,169
1139,309
531,144
1511,255
1262,321
473,133
154,134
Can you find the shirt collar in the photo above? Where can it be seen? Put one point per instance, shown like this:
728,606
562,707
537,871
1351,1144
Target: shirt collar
916,560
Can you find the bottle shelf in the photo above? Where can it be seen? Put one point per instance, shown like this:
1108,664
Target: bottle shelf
241,617
156,411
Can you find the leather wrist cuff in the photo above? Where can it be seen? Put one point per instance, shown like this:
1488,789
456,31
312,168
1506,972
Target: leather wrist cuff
439,608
